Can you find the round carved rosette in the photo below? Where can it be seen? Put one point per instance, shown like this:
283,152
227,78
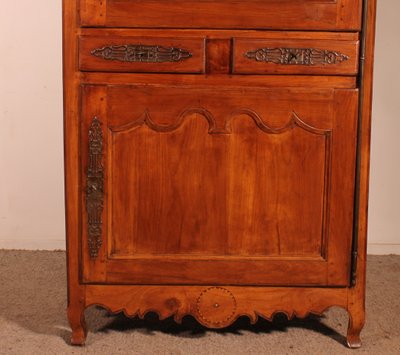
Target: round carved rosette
216,307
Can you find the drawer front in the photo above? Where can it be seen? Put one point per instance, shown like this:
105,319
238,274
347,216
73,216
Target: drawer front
295,56
142,54
266,14
218,52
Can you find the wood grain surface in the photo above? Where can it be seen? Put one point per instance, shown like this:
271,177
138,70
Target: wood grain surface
265,14
260,176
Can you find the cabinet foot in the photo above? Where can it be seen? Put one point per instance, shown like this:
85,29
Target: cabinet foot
356,324
76,317
353,340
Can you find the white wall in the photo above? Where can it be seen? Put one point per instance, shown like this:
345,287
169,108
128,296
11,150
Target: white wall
384,208
31,152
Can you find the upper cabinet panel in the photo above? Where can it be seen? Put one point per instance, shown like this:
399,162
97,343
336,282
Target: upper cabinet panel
246,14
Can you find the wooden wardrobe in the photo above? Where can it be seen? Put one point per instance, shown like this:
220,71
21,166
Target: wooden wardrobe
217,157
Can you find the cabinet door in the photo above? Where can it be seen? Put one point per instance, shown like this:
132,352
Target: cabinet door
201,184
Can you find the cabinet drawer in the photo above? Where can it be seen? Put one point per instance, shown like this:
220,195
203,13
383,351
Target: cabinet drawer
265,14
295,56
223,51
142,54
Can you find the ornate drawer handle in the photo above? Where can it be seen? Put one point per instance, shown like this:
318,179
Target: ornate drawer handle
296,56
141,53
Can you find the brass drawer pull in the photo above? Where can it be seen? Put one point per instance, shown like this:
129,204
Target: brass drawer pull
142,53
296,56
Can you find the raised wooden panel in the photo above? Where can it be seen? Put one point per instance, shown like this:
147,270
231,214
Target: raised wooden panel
266,14
192,184
241,190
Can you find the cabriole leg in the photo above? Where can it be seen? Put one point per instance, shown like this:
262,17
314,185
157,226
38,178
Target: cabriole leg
356,324
76,317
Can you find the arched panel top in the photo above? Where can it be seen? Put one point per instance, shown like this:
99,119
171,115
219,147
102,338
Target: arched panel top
164,107
293,122
146,119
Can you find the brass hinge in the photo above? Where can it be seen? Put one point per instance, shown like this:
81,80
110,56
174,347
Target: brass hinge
354,268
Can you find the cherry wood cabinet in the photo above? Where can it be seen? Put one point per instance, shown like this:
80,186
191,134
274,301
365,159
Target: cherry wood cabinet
217,166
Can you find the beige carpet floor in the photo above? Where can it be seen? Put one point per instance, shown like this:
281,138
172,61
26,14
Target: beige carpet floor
33,320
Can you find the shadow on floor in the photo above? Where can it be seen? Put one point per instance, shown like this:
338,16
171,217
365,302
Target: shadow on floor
190,328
